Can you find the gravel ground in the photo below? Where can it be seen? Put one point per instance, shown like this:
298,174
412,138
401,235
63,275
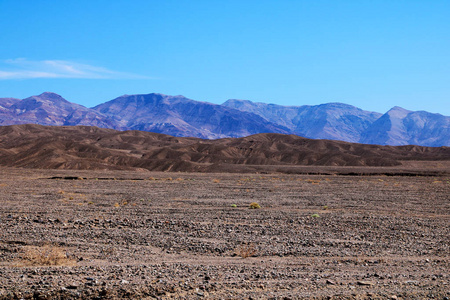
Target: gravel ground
147,235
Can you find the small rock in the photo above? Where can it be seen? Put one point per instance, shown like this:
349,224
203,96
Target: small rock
366,283
330,282
123,281
72,286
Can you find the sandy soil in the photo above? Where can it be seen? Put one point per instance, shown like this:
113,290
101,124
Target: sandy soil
146,235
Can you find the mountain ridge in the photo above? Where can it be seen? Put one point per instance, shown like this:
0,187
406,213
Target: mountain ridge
181,116
164,114
329,121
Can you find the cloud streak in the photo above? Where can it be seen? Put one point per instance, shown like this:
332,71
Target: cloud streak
22,68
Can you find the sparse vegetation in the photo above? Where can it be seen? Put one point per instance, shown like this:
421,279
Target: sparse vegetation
315,215
254,205
46,255
254,252
246,251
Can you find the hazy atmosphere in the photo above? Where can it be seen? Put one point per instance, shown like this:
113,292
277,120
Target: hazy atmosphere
371,54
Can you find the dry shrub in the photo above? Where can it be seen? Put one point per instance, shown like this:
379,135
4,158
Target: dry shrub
254,205
245,251
46,255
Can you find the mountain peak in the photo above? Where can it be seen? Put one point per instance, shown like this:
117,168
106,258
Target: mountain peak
398,108
51,96
398,112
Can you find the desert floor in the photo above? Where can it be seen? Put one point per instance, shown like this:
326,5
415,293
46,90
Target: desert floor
146,235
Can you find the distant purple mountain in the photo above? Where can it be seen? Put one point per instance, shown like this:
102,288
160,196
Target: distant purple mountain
50,109
180,116
334,121
337,121
403,127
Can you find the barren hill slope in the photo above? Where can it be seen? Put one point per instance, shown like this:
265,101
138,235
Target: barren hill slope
83,147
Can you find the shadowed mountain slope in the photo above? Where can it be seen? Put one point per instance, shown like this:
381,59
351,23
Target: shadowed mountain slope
83,147
180,116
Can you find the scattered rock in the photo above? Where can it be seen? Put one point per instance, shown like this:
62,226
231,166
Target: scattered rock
72,286
365,283
297,257
329,281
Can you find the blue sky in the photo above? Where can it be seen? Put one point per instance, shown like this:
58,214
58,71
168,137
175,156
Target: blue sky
372,54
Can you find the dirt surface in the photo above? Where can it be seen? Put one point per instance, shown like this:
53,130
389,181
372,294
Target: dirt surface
147,235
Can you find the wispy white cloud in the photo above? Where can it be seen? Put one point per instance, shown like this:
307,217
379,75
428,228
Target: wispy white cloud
22,68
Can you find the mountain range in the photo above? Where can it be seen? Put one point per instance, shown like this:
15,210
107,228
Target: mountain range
183,117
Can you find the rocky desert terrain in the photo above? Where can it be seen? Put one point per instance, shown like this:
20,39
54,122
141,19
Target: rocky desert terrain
92,213
113,234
